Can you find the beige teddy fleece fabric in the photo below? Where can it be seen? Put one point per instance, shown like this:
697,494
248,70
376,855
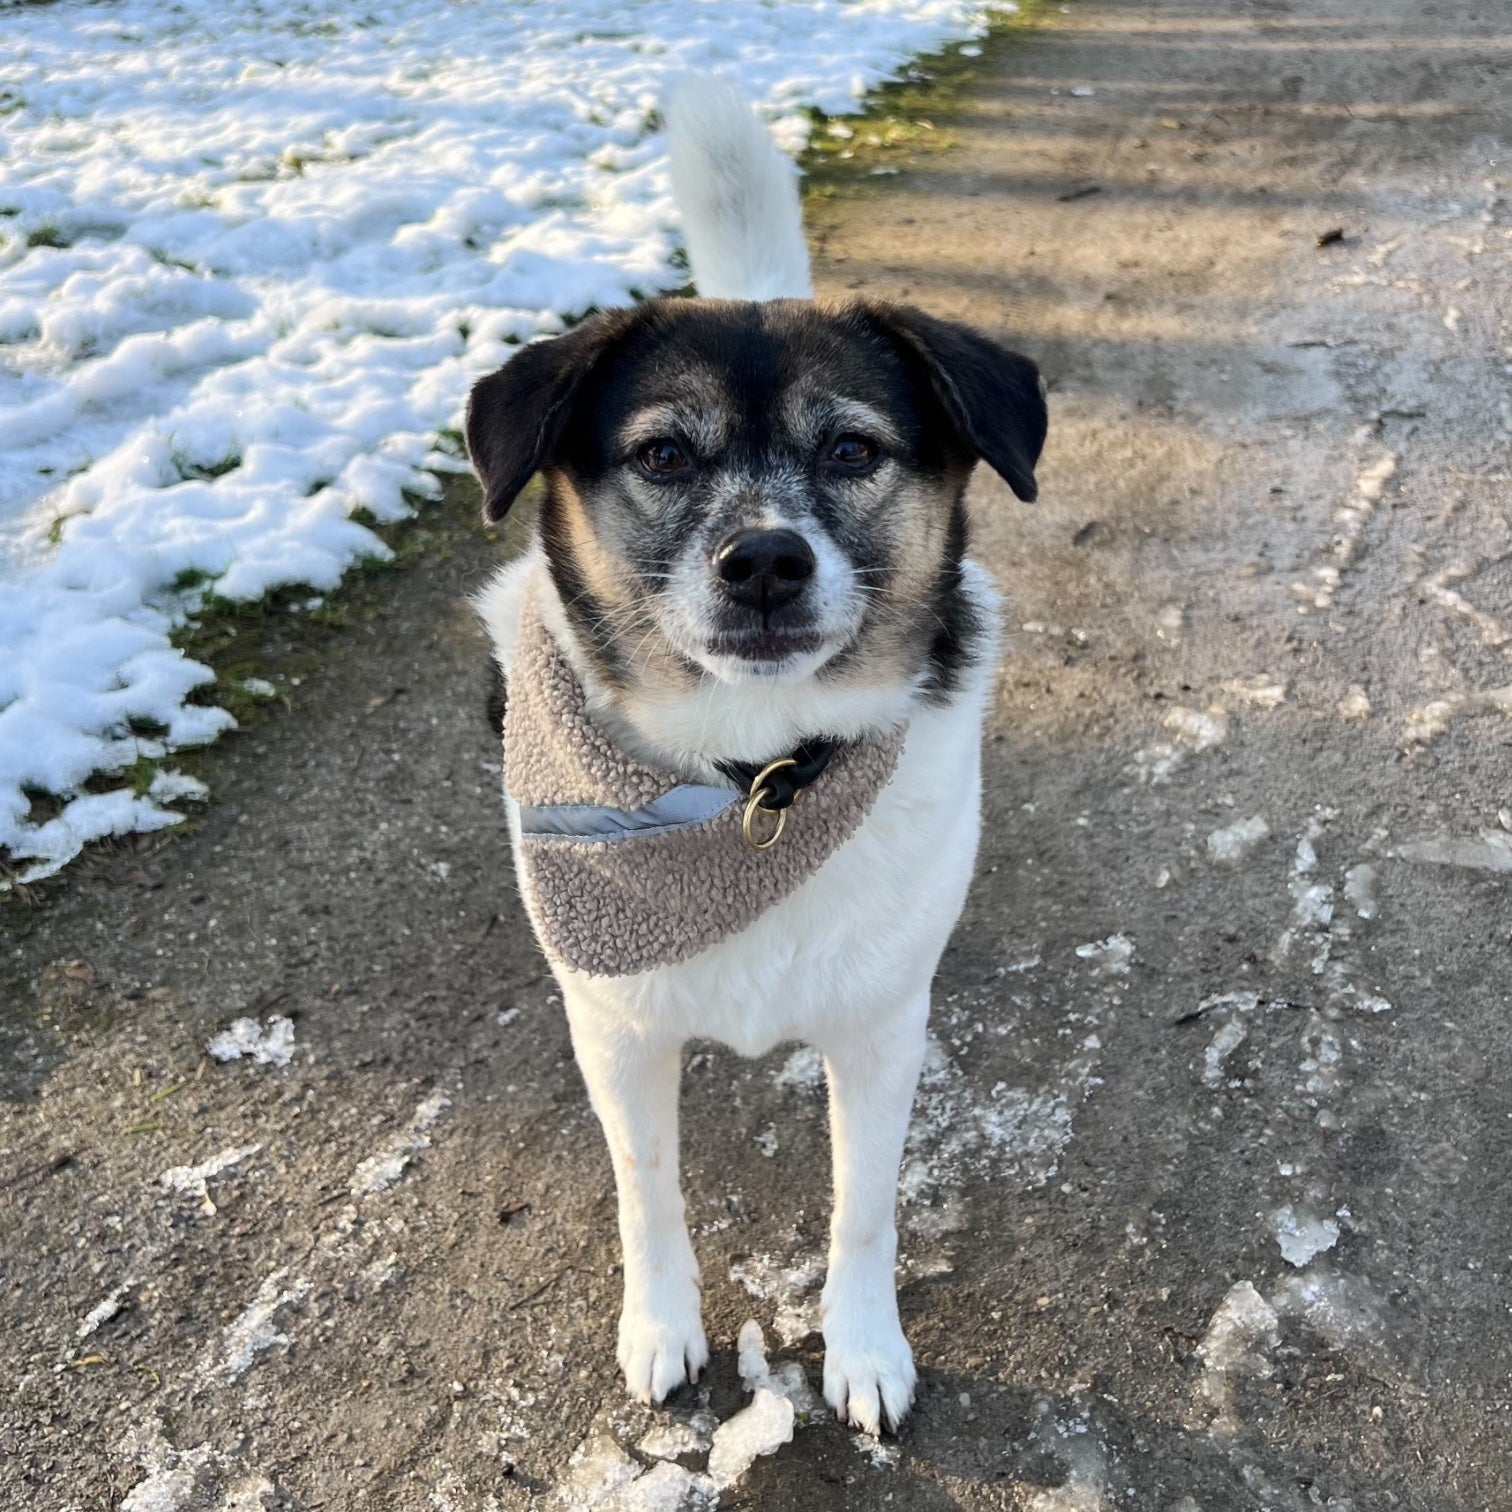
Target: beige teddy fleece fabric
624,867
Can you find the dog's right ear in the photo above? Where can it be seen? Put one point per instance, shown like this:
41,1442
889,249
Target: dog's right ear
516,416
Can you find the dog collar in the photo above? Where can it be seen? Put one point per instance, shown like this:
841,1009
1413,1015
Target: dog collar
623,867
774,788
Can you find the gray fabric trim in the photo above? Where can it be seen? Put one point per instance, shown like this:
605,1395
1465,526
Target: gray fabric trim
681,808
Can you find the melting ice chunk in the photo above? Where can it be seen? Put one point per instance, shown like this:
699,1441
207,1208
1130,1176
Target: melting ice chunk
1109,957
762,1428
1301,1236
1232,843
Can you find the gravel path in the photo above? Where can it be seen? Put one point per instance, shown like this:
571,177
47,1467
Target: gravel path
1208,1204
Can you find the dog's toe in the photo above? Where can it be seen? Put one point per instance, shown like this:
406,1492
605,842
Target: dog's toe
868,1375
658,1351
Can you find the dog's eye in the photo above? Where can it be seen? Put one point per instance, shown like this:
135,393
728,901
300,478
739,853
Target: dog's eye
663,457
853,453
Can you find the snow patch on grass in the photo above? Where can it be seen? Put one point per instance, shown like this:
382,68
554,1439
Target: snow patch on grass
254,267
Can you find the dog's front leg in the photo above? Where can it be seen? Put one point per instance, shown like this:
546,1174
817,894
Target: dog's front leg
872,1071
633,1086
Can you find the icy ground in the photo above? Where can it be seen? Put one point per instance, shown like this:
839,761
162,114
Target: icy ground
250,262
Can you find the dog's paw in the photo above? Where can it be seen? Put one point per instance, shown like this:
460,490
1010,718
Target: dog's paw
661,1344
868,1371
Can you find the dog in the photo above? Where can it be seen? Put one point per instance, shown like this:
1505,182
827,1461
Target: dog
750,560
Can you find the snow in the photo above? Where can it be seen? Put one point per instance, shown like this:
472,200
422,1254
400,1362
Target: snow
383,1169
1243,1328
1231,844
1109,957
273,1046
1227,1040
104,1311
954,1132
760,1429
595,1470
255,1330
1346,1312
1491,851
672,1439
792,1286
1074,1496
663,1488
1434,718
1360,890
1314,906
162,1490
1262,690
1072,1441
602,1474
1350,522
194,1181
1014,1132
250,264
1192,731
1301,1236
787,1380
1493,634
802,1070
1355,703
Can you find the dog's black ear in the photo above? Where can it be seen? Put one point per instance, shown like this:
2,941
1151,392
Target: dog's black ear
994,396
516,416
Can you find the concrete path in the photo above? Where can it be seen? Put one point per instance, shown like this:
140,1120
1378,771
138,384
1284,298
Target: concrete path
1209,1200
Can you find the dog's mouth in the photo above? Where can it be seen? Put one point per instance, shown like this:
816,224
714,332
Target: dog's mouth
770,645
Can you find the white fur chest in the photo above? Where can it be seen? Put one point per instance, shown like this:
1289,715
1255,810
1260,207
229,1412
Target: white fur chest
862,933
865,930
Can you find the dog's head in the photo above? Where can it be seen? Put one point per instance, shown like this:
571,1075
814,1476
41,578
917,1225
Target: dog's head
757,491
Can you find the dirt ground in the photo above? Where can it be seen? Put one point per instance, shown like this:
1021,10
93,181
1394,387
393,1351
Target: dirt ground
1209,1199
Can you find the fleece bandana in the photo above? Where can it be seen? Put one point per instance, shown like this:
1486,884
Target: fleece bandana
625,868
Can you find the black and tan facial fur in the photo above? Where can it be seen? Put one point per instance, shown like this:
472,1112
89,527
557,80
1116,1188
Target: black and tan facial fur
759,492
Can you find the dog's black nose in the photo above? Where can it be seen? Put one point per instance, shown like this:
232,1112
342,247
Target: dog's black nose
764,568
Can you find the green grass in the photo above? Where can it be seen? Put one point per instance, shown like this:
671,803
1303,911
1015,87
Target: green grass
205,471
908,118
47,235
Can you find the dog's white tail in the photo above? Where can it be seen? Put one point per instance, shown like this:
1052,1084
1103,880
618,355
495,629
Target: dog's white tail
738,195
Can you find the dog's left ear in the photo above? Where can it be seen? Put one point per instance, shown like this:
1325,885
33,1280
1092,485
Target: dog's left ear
994,396
516,416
